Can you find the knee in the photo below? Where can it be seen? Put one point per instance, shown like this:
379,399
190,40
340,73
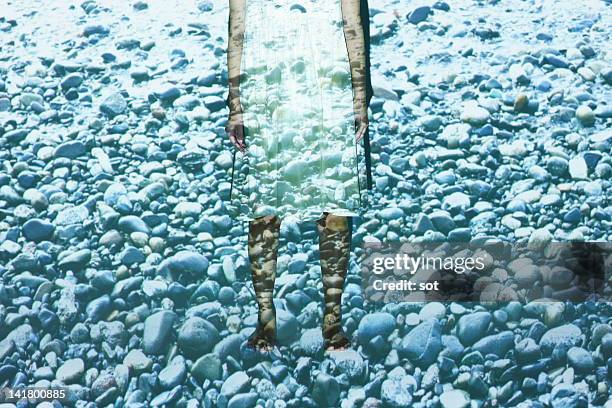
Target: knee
267,221
334,222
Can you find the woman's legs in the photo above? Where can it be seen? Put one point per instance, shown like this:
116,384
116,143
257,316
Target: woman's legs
334,249
263,250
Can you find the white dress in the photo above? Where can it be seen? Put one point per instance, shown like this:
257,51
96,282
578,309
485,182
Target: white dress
297,97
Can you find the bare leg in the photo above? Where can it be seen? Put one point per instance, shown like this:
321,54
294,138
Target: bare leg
334,250
263,250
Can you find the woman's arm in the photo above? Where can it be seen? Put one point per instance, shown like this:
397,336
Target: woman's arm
235,42
356,47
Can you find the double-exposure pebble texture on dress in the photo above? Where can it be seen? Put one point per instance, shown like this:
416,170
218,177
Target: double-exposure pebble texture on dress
297,97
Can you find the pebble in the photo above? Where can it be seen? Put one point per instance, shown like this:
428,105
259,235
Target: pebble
497,344
70,371
397,392
157,329
568,335
580,359
113,105
37,229
585,115
235,383
474,115
455,399
375,324
472,327
419,14
197,336
207,367
423,343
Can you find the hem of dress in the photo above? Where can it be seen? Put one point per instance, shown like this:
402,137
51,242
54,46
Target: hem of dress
311,215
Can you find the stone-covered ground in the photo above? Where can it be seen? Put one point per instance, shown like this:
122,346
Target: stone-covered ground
122,276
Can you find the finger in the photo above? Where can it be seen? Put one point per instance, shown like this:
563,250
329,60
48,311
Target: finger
241,138
234,142
360,133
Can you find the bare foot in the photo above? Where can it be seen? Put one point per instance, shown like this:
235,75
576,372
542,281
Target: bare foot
338,342
260,341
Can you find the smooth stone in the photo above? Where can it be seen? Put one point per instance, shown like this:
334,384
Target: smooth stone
184,263
70,371
497,344
72,80
207,367
455,399
375,324
585,115
37,229
243,400
580,359
419,14
326,390
474,115
422,344
235,383
472,327
174,373
157,329
113,105
188,209
75,260
197,336
99,308
578,168
287,328
73,149
136,360
168,93
568,335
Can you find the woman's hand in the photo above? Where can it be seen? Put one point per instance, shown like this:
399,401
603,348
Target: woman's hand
362,122
235,130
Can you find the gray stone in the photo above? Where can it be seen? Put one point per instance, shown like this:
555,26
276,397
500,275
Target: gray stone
580,359
207,367
72,149
157,328
174,373
37,229
472,327
568,335
375,324
396,392
113,105
235,383
326,390
184,263
137,361
419,14
422,344
197,336
70,371
497,344
455,399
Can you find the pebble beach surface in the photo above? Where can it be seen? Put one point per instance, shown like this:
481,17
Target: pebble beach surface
123,277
